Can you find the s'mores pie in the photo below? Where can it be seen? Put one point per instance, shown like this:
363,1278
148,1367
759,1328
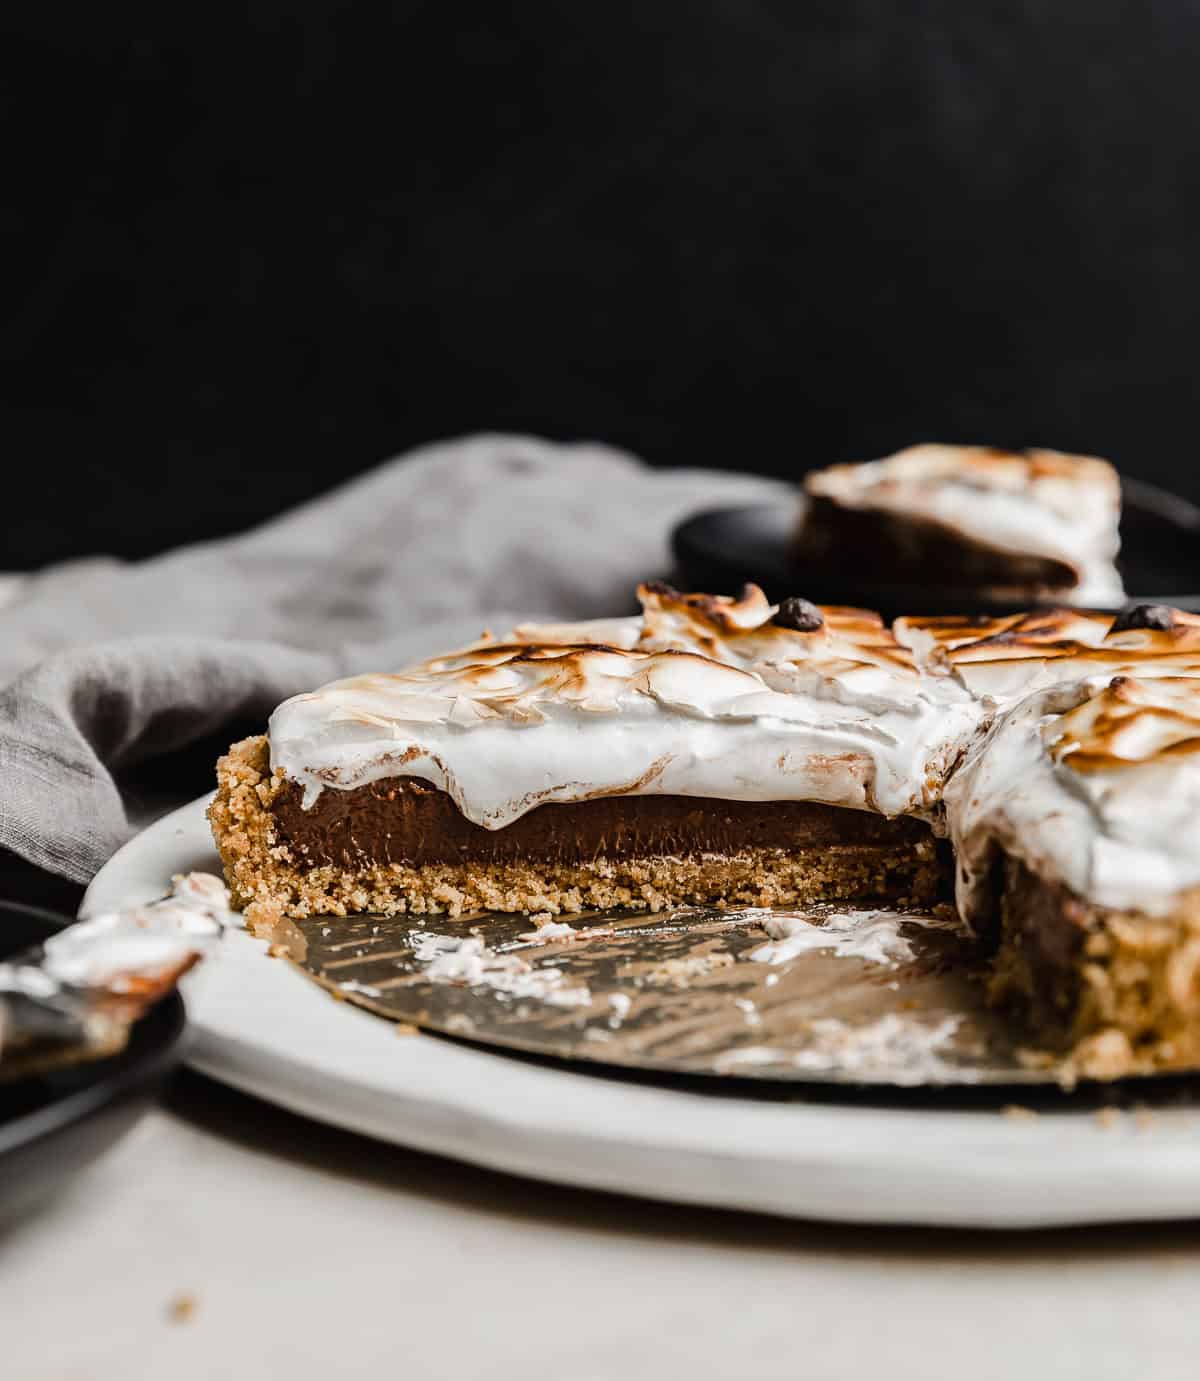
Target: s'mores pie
1013,526
722,751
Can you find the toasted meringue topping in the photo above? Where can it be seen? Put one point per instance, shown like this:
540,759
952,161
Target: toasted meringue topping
717,698
747,632
1038,503
958,639
1004,658
622,633
714,700
1127,723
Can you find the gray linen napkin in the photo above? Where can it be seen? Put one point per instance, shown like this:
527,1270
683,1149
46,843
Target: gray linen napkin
105,664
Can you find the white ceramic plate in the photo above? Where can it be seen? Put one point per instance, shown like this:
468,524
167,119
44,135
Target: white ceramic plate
265,1028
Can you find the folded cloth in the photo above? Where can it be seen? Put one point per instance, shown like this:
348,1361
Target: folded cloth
105,665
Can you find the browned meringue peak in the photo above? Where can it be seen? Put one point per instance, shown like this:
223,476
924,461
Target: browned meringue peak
957,639
539,639
533,642
1015,653
1128,723
618,632
726,613
750,630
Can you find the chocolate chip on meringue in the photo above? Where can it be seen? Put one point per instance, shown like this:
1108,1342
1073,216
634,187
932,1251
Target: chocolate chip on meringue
1157,616
799,614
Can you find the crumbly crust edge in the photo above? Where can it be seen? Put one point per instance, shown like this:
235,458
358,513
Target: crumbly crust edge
1130,1001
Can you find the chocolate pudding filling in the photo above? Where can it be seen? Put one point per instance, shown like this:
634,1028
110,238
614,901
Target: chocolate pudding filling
406,820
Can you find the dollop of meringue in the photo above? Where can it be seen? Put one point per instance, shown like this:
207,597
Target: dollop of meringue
1037,503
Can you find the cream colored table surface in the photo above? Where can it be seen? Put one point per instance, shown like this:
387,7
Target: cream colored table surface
313,1253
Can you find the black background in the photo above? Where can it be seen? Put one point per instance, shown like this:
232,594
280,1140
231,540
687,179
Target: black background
252,251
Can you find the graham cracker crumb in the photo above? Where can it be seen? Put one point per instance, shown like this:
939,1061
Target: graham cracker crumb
1105,1055
678,973
182,1307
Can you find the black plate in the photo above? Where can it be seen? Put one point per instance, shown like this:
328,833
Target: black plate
720,549
52,1125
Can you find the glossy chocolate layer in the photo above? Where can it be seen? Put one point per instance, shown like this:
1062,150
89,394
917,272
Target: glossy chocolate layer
405,820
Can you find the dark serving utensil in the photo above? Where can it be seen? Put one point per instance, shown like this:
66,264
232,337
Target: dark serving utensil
720,549
53,1125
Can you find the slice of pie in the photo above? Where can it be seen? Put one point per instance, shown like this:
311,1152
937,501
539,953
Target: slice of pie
714,750
1013,526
